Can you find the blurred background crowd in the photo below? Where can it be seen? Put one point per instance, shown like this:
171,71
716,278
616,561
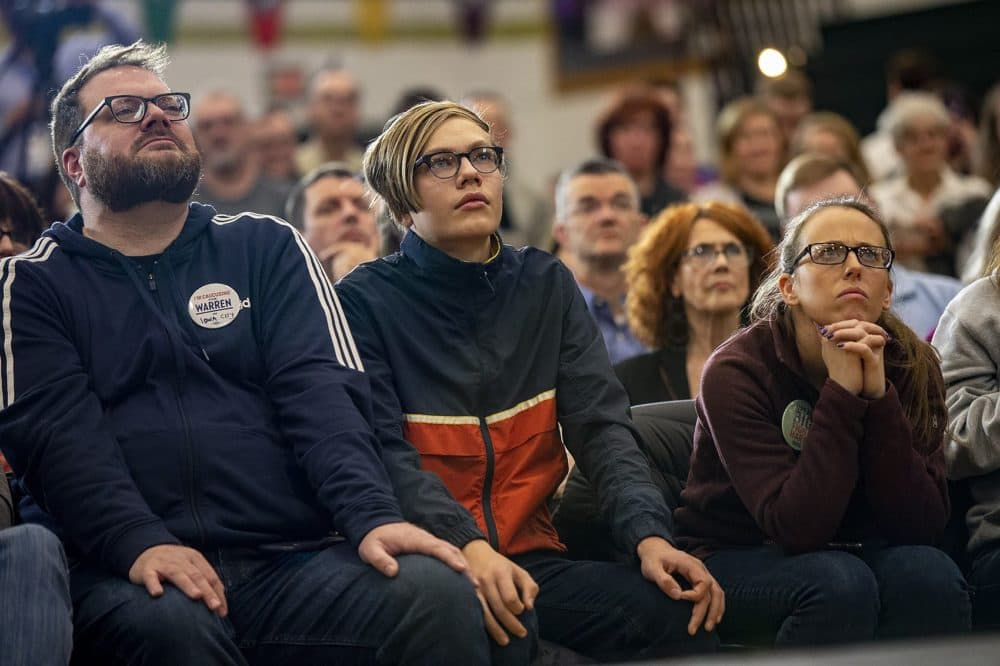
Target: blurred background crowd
700,100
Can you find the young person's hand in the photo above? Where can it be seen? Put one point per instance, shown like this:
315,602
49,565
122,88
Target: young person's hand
505,590
842,366
186,569
866,341
382,544
660,561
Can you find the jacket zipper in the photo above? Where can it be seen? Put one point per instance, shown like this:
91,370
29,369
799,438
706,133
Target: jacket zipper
487,496
188,448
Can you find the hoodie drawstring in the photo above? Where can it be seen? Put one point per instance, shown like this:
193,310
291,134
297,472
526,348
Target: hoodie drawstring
186,322
145,292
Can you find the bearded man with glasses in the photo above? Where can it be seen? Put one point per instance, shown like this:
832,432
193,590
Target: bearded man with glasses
182,397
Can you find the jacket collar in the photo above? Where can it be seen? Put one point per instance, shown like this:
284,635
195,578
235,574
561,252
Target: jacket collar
71,239
433,262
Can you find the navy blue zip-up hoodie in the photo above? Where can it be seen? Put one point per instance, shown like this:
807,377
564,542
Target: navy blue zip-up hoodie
210,395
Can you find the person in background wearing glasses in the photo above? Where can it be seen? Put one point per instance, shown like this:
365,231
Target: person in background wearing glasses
184,400
597,221
689,279
478,353
817,487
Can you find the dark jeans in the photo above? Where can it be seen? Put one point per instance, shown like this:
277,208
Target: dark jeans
608,611
837,597
984,576
317,607
35,624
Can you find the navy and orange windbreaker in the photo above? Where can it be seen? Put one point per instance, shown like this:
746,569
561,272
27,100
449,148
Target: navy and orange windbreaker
478,366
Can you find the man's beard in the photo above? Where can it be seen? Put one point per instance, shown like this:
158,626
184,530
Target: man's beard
122,183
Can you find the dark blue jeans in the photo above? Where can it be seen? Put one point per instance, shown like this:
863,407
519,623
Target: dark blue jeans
837,597
317,607
984,576
608,611
35,614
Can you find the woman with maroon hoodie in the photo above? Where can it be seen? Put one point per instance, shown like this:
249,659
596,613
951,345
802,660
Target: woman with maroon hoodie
817,482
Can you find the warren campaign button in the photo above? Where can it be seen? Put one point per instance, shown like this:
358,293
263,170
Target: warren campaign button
795,422
215,305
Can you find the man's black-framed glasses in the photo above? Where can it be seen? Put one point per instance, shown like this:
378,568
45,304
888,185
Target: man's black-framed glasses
832,253
132,109
706,254
445,164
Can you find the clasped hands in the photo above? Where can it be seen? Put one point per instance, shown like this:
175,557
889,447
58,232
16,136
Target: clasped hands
853,353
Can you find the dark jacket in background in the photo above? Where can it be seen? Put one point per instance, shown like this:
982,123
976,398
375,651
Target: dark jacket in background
655,376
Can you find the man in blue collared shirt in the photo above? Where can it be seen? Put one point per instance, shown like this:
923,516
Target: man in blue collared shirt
919,298
597,221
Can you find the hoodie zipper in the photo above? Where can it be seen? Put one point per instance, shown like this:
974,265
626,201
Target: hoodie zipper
489,519
188,446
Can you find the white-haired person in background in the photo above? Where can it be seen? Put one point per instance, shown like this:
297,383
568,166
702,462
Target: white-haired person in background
929,208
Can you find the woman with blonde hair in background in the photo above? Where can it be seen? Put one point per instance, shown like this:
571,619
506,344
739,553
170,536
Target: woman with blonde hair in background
752,154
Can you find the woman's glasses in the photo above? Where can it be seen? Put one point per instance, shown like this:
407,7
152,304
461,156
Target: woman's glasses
830,254
706,254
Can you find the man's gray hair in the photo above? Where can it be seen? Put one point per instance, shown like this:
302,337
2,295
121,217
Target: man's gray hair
594,166
65,110
296,202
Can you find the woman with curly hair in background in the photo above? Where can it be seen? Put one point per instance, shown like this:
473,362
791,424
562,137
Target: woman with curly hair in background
689,278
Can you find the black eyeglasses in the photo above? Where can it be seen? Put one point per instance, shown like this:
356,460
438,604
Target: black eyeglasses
485,159
706,254
830,254
132,109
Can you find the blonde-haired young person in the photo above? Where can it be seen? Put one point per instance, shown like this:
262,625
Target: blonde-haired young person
478,354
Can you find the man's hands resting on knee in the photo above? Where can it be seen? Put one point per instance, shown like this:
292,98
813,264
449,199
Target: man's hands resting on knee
660,561
383,543
505,590
186,569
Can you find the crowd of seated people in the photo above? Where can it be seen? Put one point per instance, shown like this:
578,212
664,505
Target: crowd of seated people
280,395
